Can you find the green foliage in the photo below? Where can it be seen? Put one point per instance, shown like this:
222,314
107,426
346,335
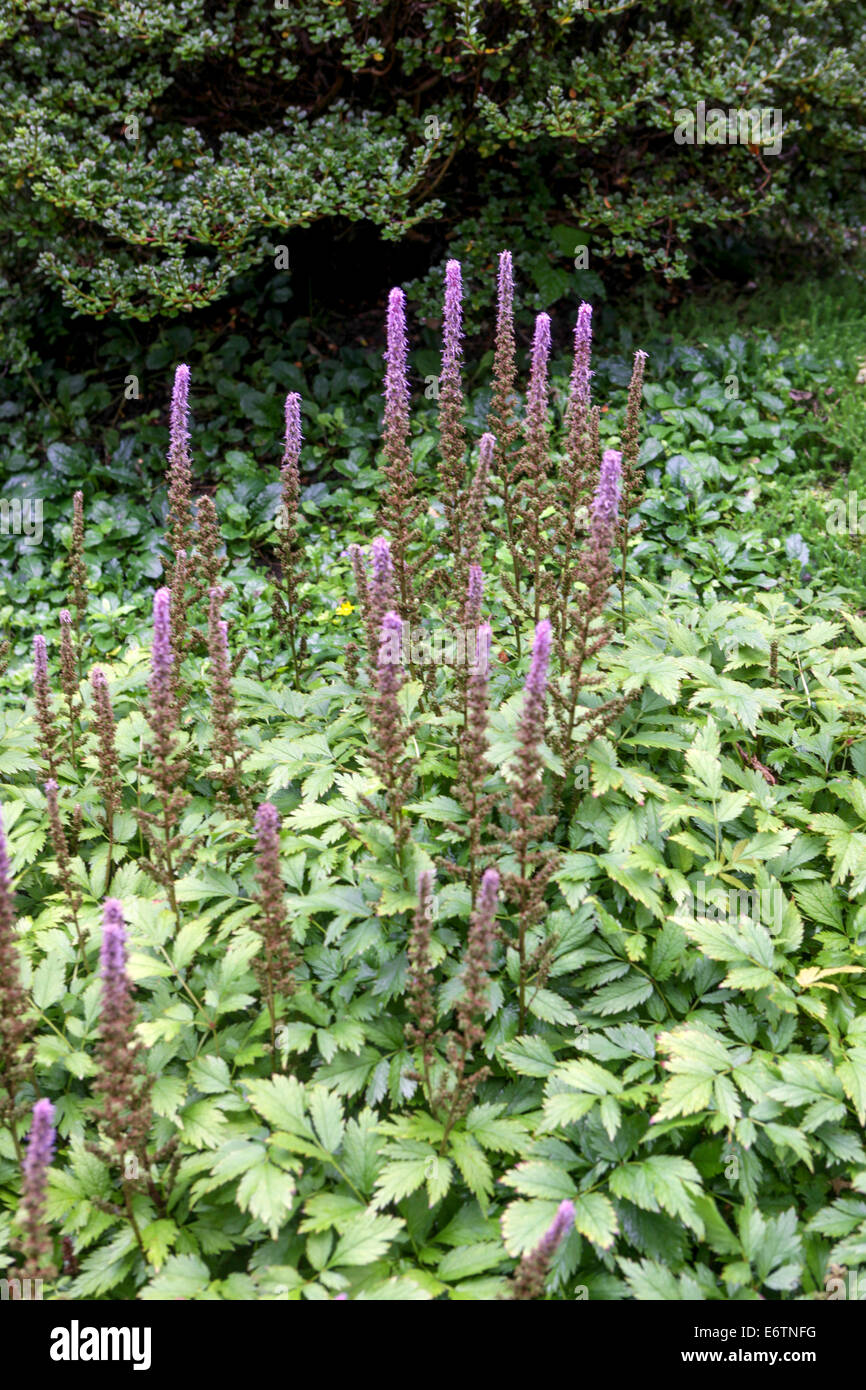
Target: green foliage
692,1076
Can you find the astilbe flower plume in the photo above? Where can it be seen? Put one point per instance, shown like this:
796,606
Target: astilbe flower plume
473,768
459,1088
179,476
588,632
275,967
502,420
227,755
123,1083
36,1241
209,545
421,1030
388,754
60,846
632,473
166,769
399,507
578,471
531,1274
78,575
48,741
288,606
69,677
16,1026
474,513
530,825
376,595
107,772
534,465
452,432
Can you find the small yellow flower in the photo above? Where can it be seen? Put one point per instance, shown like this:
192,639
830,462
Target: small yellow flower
345,609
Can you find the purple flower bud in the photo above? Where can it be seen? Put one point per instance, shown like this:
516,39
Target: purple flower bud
605,503
267,826
536,406
536,680
389,667
40,1144
561,1225
581,376
293,428
40,658
112,952
489,892
505,289
178,427
161,656
452,327
66,617
396,373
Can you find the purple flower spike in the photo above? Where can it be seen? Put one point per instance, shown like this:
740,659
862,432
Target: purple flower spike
396,372
605,504
112,952
537,398
581,376
161,656
293,428
178,423
40,658
267,827
536,681
40,1142
452,327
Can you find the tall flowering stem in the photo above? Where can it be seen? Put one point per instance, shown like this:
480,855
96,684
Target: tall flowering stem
179,567
632,473
36,1241
534,462
276,969
588,632
503,423
62,856
473,1006
474,516
15,1025
399,507
288,606
452,430
376,595
45,718
579,469
69,677
421,1031
530,1277
536,865
166,769
179,476
123,1084
389,755
78,575
107,775
473,768
226,752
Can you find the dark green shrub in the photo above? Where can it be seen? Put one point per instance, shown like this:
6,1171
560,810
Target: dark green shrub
150,155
